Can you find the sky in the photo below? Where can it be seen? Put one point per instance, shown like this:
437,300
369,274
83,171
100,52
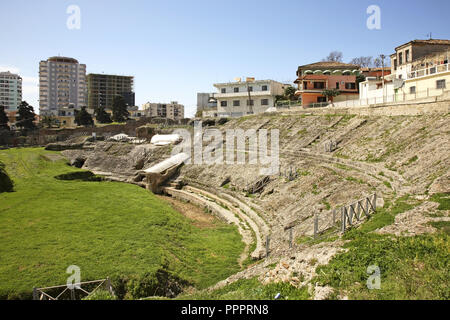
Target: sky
175,49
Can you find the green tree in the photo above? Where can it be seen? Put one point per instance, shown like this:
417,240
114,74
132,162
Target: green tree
359,78
83,118
26,116
102,116
119,109
3,119
49,121
289,92
330,93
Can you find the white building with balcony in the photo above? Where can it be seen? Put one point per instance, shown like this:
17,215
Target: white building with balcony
10,91
237,99
62,85
420,70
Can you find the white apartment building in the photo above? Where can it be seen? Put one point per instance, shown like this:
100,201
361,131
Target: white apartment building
10,91
62,86
420,70
172,110
237,99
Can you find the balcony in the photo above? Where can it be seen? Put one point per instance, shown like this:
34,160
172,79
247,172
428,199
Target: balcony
241,94
429,71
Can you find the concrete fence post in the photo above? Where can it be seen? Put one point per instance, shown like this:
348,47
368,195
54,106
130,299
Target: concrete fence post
35,294
343,219
267,245
334,217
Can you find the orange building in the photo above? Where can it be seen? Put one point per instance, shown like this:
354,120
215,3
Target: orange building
313,79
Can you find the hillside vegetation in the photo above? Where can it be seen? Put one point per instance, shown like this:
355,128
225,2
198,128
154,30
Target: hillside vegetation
106,228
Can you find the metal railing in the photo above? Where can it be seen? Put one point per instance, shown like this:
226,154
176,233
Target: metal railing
395,98
318,105
429,71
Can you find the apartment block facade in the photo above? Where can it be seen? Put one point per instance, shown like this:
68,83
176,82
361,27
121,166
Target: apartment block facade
237,99
313,79
172,110
102,88
406,54
420,69
10,91
62,86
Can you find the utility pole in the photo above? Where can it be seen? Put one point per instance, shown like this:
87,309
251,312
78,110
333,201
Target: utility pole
382,57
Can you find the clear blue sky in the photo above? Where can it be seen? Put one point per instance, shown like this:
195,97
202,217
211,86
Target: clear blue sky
175,49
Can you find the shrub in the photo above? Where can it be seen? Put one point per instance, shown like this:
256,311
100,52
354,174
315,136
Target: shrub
6,184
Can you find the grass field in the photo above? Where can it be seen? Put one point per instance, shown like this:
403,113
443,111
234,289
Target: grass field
416,267
251,289
106,228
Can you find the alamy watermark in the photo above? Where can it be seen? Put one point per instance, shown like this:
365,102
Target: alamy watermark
232,149
374,280
74,19
74,280
374,20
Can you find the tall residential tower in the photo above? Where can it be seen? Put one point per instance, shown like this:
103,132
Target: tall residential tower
62,86
10,91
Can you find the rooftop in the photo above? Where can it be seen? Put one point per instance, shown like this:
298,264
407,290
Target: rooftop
244,82
329,65
424,42
62,59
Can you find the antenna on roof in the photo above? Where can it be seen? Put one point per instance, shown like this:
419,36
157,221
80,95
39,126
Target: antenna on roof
429,35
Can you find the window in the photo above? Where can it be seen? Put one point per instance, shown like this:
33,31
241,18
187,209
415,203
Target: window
406,55
236,89
264,88
319,85
264,102
412,90
321,99
337,85
440,84
223,90
350,86
223,103
250,89
395,64
250,102
305,85
400,58
236,103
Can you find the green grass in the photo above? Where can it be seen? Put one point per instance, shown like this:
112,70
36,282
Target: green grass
387,184
412,160
106,228
411,267
352,179
385,216
251,289
444,226
443,199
